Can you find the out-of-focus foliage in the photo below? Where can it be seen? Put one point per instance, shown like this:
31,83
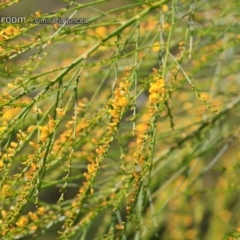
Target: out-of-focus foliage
125,126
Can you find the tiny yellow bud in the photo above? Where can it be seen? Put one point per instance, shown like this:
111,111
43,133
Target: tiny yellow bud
165,8
38,13
13,144
23,221
153,97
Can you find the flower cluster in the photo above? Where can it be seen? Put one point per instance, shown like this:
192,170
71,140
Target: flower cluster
118,104
7,32
91,169
157,90
119,101
45,131
31,220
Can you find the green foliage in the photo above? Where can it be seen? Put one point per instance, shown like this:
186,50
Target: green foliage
123,126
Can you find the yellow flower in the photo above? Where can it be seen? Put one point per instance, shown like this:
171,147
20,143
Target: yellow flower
1,49
60,112
33,216
102,31
33,228
43,133
100,150
3,128
2,37
165,8
5,156
166,25
10,85
38,13
157,86
155,47
86,175
4,214
33,144
153,88
23,221
153,97
122,102
10,30
139,141
30,128
1,164
119,226
113,113
13,144
41,210
142,127
10,113
91,168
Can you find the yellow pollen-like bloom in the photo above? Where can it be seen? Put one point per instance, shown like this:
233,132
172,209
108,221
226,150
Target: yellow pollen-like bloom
13,144
23,221
41,210
122,102
153,97
33,216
